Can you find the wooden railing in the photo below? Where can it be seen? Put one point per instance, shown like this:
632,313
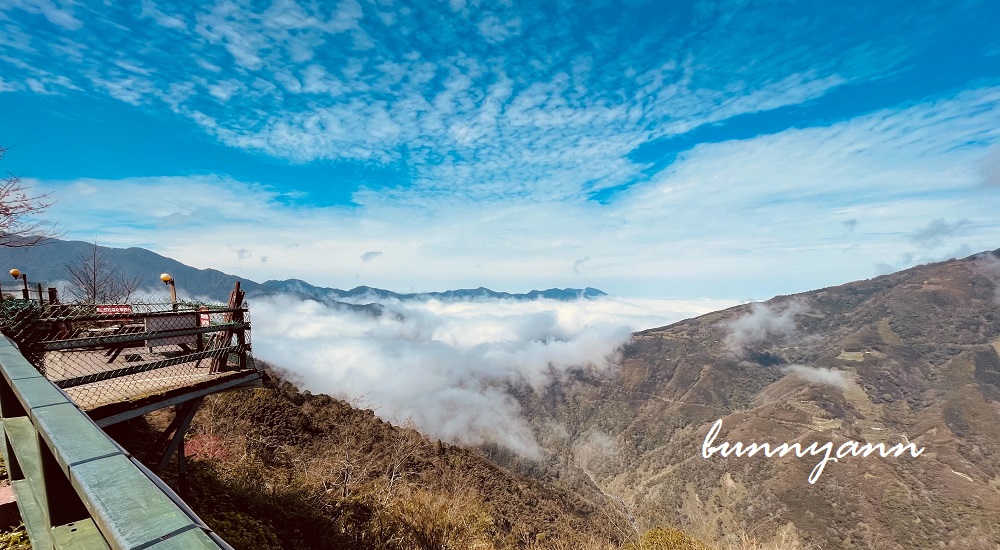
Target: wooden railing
76,487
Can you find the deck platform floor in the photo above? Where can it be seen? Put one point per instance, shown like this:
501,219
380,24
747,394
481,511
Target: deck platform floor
131,387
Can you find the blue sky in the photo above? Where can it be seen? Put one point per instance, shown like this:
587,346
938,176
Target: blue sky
652,149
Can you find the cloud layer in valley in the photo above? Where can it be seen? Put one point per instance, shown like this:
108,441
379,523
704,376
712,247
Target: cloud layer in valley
447,365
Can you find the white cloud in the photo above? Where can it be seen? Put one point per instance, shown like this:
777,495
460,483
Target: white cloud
446,364
819,375
788,196
225,89
133,90
991,167
346,17
474,120
58,12
936,232
495,29
48,84
760,324
151,10
83,189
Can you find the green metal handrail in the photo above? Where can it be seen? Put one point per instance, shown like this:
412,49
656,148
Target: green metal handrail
76,487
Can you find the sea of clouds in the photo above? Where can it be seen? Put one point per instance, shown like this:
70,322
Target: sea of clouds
446,365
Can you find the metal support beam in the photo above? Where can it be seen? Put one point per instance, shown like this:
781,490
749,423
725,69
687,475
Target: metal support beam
184,414
248,380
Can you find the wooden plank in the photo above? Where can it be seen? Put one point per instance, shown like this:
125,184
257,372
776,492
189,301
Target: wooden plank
79,440
82,534
31,513
21,434
15,366
126,505
37,392
236,315
10,461
190,539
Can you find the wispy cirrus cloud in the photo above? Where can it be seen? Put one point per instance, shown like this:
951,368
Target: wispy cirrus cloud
936,232
58,12
492,129
304,82
790,195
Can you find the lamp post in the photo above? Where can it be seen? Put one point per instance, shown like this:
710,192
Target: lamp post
16,273
169,281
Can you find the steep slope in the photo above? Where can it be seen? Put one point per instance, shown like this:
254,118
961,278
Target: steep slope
279,468
907,357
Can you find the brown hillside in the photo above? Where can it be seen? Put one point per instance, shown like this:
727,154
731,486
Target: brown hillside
276,468
909,356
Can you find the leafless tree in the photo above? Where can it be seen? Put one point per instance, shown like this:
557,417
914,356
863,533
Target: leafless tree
18,207
95,279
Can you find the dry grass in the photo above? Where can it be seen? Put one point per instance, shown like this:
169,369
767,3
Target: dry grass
275,468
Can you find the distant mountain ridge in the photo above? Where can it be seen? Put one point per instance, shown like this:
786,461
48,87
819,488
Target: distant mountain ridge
46,263
301,288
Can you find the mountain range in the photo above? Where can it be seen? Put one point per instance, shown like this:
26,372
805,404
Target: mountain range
910,357
46,264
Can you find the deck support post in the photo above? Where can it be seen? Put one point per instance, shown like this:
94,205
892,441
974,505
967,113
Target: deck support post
183,415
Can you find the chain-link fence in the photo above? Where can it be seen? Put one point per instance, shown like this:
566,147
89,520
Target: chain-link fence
110,353
34,291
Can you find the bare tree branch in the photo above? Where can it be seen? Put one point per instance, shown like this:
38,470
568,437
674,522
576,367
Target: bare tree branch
17,210
95,280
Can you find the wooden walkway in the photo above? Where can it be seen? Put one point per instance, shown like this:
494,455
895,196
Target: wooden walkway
75,487
120,361
128,387
69,370
113,396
